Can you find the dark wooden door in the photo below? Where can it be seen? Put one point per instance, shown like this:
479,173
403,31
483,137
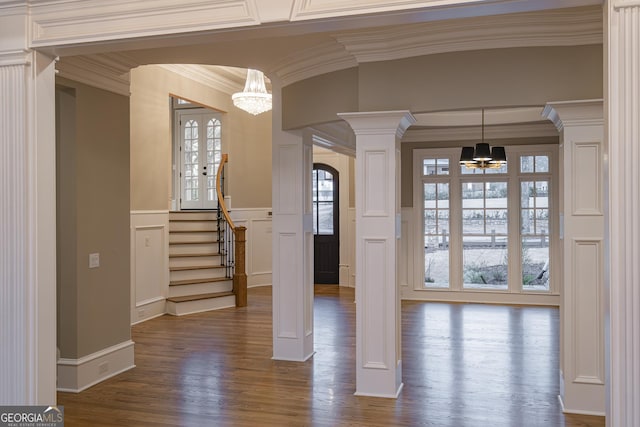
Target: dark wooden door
326,255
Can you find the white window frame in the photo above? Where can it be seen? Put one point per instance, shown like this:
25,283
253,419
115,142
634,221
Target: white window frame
515,293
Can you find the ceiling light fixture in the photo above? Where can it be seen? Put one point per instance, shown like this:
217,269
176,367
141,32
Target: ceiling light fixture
483,157
254,98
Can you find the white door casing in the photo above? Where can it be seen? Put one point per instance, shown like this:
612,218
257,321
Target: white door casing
200,153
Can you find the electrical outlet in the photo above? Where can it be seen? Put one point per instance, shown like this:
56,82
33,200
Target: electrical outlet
94,260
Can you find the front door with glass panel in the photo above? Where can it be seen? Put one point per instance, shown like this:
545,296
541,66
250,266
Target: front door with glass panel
200,152
326,254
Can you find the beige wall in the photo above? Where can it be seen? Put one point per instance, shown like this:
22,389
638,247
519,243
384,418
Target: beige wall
482,78
449,81
319,99
246,138
93,217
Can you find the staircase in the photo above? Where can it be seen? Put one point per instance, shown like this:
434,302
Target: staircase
197,276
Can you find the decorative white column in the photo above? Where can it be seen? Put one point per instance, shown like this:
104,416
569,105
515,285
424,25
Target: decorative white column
378,331
622,27
27,219
582,206
292,160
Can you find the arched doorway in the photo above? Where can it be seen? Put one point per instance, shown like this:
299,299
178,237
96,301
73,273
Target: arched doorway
326,224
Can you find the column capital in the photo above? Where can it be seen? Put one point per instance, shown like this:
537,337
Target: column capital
379,122
572,113
621,4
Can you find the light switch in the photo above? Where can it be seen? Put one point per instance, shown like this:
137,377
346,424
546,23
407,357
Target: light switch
94,260
147,241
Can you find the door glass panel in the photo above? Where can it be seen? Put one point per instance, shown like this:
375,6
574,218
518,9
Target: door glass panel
436,234
213,157
534,233
323,202
191,160
485,235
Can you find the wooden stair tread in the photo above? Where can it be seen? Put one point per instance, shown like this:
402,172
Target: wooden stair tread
195,267
188,298
194,255
196,281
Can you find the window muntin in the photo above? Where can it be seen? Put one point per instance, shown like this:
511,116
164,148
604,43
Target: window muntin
323,202
191,160
485,234
435,166
436,234
473,221
214,155
534,234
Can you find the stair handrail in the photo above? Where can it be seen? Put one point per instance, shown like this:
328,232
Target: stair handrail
239,241
224,159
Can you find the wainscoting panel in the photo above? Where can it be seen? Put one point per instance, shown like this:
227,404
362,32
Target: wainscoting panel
259,243
149,264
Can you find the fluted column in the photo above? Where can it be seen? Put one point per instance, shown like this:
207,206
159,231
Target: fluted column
292,164
378,331
27,230
622,23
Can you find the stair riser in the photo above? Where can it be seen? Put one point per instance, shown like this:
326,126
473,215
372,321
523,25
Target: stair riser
195,261
192,237
192,215
200,288
190,307
197,248
193,226
196,274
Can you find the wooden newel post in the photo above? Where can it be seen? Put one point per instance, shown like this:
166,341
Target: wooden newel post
240,274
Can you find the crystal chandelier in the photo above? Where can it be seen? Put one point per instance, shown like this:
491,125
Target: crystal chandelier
254,98
483,157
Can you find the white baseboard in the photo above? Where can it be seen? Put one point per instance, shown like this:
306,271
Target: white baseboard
148,310
76,375
259,279
258,285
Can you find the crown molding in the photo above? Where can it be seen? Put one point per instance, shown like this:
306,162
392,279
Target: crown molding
560,27
323,58
334,136
67,22
224,79
101,71
467,133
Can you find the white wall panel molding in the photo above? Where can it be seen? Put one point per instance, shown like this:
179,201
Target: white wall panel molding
76,375
259,241
622,19
376,183
561,27
588,365
586,193
378,364
82,21
581,129
27,227
149,263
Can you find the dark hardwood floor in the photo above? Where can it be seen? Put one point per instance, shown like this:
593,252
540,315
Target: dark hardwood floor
463,365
